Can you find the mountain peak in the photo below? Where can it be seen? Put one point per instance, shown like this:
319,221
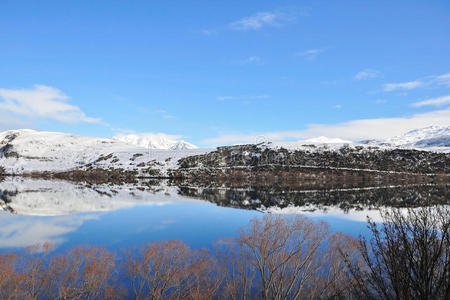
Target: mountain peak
155,141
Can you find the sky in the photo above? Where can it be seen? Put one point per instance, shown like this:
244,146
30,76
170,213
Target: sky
225,72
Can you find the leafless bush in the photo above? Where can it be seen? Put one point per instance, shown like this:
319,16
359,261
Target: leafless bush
171,270
283,258
10,280
34,270
408,257
81,273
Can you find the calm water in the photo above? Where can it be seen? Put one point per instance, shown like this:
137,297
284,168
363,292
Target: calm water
67,214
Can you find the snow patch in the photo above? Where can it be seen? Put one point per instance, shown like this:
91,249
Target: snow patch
155,141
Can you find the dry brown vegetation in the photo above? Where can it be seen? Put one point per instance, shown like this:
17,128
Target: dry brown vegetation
272,258
408,257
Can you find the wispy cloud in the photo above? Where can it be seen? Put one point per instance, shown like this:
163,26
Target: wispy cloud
389,87
351,130
368,74
259,20
428,81
443,79
42,102
439,101
337,106
311,54
165,114
244,98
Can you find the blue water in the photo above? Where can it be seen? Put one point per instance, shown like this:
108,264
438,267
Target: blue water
197,224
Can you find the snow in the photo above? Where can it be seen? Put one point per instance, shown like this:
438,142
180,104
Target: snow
359,215
27,151
155,141
329,211
39,197
326,140
54,151
434,138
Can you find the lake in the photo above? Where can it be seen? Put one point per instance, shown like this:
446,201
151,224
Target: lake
116,216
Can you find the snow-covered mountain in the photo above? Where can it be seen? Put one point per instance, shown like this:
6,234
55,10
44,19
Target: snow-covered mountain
432,137
27,196
26,151
155,141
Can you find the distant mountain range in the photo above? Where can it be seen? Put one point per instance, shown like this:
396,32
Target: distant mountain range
155,141
28,151
428,137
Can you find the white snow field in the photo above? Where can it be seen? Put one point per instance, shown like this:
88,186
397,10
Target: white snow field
155,141
436,138
26,151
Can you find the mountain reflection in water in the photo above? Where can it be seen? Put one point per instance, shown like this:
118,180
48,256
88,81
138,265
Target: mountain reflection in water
67,213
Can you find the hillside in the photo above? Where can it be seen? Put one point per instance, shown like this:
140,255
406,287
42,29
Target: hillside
432,138
28,151
124,158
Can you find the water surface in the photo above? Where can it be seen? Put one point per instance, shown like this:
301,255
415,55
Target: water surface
116,216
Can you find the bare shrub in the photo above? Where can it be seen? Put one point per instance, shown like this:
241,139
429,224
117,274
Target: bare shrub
10,280
237,269
170,270
34,269
408,256
283,258
81,273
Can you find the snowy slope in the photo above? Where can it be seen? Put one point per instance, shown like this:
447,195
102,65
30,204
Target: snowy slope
435,138
155,141
314,144
51,198
432,138
25,151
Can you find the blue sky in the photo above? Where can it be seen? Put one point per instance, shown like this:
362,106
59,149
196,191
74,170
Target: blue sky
224,72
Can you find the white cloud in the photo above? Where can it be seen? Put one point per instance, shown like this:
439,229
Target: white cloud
42,102
337,106
258,21
403,86
311,54
367,74
439,101
165,114
26,232
352,130
429,81
443,79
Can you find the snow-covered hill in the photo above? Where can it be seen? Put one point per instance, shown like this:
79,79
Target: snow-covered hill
26,151
155,141
26,196
432,137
